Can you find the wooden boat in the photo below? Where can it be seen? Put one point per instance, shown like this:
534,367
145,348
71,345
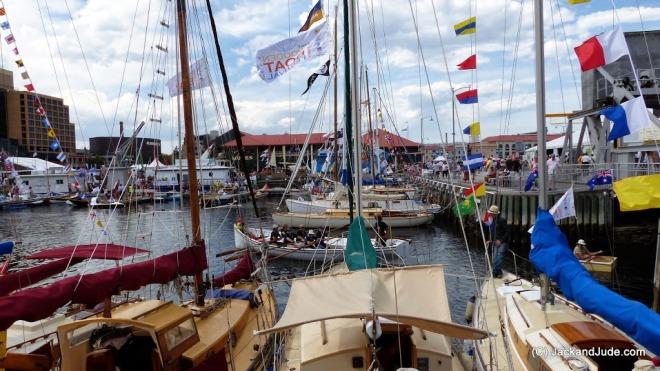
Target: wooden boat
320,205
394,249
412,327
339,218
601,265
24,203
541,340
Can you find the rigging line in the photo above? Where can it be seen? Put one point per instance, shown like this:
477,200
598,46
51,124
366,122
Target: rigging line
387,64
89,72
561,85
470,177
128,50
428,81
568,53
514,69
506,12
66,75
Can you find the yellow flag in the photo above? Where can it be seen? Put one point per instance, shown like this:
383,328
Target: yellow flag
573,2
475,129
638,192
51,133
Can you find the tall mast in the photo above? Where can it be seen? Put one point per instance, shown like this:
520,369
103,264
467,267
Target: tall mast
371,131
232,110
190,141
355,107
348,123
540,122
336,147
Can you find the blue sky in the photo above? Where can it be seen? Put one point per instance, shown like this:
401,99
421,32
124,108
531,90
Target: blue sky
277,107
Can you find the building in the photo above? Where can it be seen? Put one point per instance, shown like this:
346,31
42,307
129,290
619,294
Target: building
504,145
284,148
21,129
140,151
287,146
433,150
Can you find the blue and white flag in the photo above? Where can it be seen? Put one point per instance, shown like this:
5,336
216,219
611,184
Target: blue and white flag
531,179
628,117
54,146
474,161
4,25
61,157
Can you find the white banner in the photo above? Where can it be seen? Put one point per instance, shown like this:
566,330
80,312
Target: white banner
199,74
563,208
275,60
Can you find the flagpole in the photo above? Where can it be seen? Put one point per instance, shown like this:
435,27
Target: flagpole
355,108
336,146
540,124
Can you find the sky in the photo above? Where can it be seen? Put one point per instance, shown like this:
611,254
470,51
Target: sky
102,58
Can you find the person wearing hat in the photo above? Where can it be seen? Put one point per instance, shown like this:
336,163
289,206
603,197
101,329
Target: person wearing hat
581,252
310,239
499,237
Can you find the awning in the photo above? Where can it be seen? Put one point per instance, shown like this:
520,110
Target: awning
415,296
107,251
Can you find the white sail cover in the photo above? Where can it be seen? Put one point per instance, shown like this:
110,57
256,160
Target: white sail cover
413,295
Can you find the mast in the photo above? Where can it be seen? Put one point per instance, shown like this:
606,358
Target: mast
232,110
355,107
348,124
336,147
190,141
371,131
540,123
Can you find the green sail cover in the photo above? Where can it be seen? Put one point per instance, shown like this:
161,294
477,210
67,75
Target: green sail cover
360,253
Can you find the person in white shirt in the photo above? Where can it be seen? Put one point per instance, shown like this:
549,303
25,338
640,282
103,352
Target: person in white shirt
586,159
552,164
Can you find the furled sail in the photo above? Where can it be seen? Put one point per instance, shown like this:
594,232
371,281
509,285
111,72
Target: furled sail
90,289
66,256
552,255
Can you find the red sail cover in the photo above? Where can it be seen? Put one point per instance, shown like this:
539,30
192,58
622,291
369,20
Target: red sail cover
107,251
38,303
26,277
242,270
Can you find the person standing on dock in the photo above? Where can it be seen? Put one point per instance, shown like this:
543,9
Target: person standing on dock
499,238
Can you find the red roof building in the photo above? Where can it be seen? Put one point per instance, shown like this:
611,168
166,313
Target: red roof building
268,140
387,139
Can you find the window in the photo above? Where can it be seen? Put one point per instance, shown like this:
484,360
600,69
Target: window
59,181
180,333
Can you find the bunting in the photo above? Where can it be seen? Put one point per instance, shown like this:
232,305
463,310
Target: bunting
10,39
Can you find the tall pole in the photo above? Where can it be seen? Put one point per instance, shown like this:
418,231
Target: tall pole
453,124
540,123
371,132
232,112
336,147
355,108
190,141
348,123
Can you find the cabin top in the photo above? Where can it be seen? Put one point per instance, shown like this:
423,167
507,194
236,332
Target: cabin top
587,334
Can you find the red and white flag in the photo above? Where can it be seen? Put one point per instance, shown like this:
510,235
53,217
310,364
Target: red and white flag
602,49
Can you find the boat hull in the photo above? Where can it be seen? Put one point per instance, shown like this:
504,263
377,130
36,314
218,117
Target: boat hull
334,251
342,221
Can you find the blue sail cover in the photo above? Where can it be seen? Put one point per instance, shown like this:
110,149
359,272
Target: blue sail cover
552,255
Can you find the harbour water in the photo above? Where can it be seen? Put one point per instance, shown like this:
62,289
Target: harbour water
163,228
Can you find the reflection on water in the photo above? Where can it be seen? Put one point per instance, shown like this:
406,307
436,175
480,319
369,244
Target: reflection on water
163,228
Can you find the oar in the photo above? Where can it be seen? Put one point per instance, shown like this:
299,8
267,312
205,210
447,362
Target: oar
228,252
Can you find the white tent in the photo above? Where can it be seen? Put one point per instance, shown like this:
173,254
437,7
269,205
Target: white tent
156,163
559,142
439,159
34,164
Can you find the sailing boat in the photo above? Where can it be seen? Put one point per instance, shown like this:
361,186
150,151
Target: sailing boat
359,316
590,328
148,334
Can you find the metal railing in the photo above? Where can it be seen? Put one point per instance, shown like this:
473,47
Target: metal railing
563,177
649,80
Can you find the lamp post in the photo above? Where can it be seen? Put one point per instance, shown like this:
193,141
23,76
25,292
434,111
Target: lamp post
453,117
421,134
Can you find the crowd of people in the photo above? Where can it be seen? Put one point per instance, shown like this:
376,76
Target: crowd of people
312,238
